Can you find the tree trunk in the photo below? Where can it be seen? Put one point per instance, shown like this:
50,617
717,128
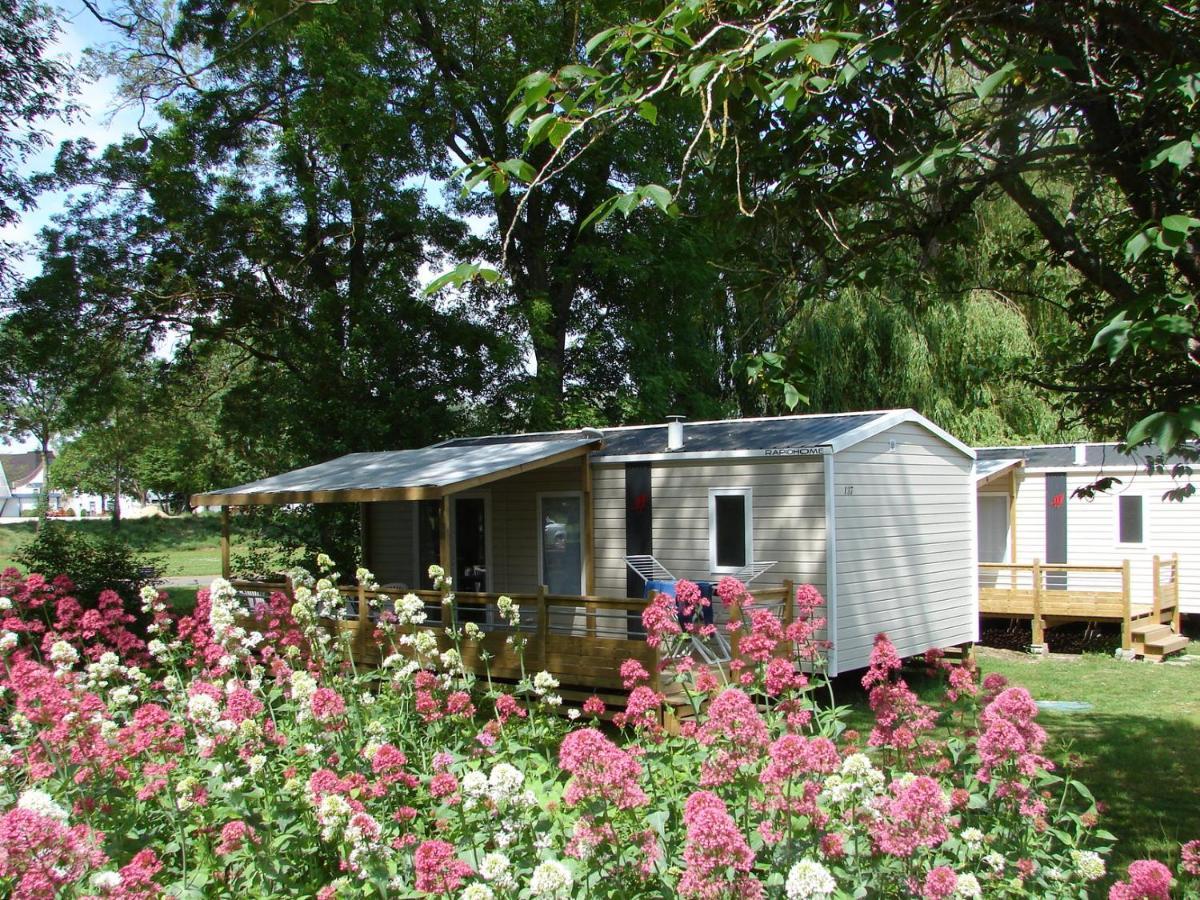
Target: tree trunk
43,501
116,513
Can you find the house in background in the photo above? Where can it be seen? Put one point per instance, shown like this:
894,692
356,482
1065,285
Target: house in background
1123,555
876,509
25,474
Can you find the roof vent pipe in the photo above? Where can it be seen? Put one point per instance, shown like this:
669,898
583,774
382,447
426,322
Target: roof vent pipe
1081,454
674,432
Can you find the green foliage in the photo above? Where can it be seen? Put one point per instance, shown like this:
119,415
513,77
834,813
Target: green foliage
93,563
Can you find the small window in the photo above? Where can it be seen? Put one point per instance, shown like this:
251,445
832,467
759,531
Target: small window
1130,523
730,529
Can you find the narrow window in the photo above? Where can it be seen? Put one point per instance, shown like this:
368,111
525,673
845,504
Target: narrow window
730,529
1130,522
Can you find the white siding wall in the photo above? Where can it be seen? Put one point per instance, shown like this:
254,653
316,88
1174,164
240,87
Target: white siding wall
788,513
905,545
1092,529
392,544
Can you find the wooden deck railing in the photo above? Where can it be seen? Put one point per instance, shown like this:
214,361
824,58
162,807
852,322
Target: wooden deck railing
581,640
1053,593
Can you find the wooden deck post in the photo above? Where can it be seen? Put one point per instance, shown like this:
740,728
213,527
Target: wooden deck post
364,535
1157,589
1039,627
1012,525
590,607
543,626
225,567
1126,607
789,602
1175,623
735,636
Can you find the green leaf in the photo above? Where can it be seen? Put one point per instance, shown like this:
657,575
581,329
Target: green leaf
648,111
987,87
777,49
597,39
1181,155
698,73
519,169
1140,243
1180,223
460,275
559,132
658,195
791,395
823,51
601,212
1113,337
538,128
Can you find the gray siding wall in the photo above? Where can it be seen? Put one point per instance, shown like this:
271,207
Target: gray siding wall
905,527
514,529
392,543
788,514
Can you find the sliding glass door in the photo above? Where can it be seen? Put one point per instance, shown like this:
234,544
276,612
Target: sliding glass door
560,552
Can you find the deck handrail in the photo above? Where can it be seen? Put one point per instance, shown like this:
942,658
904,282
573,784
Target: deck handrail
1057,567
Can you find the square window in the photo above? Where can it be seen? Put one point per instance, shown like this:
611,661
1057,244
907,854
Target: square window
1130,520
730,522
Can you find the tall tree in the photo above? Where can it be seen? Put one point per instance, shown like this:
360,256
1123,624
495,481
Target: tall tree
859,127
33,86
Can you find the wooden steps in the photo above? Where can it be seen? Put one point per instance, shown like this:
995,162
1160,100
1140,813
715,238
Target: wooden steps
1155,641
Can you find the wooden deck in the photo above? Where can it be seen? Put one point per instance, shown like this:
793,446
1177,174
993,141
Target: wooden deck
581,640
1050,594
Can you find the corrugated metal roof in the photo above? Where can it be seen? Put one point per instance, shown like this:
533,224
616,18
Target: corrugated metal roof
399,474
710,437
986,469
1062,456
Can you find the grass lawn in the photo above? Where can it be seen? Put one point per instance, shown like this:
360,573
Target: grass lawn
190,545
1140,741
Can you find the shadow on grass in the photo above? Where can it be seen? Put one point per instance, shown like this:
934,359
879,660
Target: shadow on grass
1142,768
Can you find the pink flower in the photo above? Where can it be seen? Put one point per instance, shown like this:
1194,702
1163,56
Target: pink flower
41,855
593,706
730,591
940,883
633,673
1189,857
600,771
327,704
234,836
1010,736
660,619
1148,880
717,859
443,784
438,869
737,733
508,706
914,816
884,661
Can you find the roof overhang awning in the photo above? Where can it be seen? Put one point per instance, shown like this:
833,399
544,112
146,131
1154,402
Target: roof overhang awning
988,470
425,474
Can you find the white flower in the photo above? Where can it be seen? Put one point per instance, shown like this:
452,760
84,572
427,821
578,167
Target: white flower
505,782
5,603
1088,863
324,561
573,714
426,642
157,648
544,682
8,640
494,866
808,879
43,804
471,631
255,763
436,572
967,887
551,879
451,659
106,881
477,892
972,836
63,655
410,610
303,686
474,784
995,861
203,709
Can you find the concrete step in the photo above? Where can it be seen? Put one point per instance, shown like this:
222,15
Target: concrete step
1165,647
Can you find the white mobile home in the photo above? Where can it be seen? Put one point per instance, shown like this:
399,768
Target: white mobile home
1028,510
876,509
